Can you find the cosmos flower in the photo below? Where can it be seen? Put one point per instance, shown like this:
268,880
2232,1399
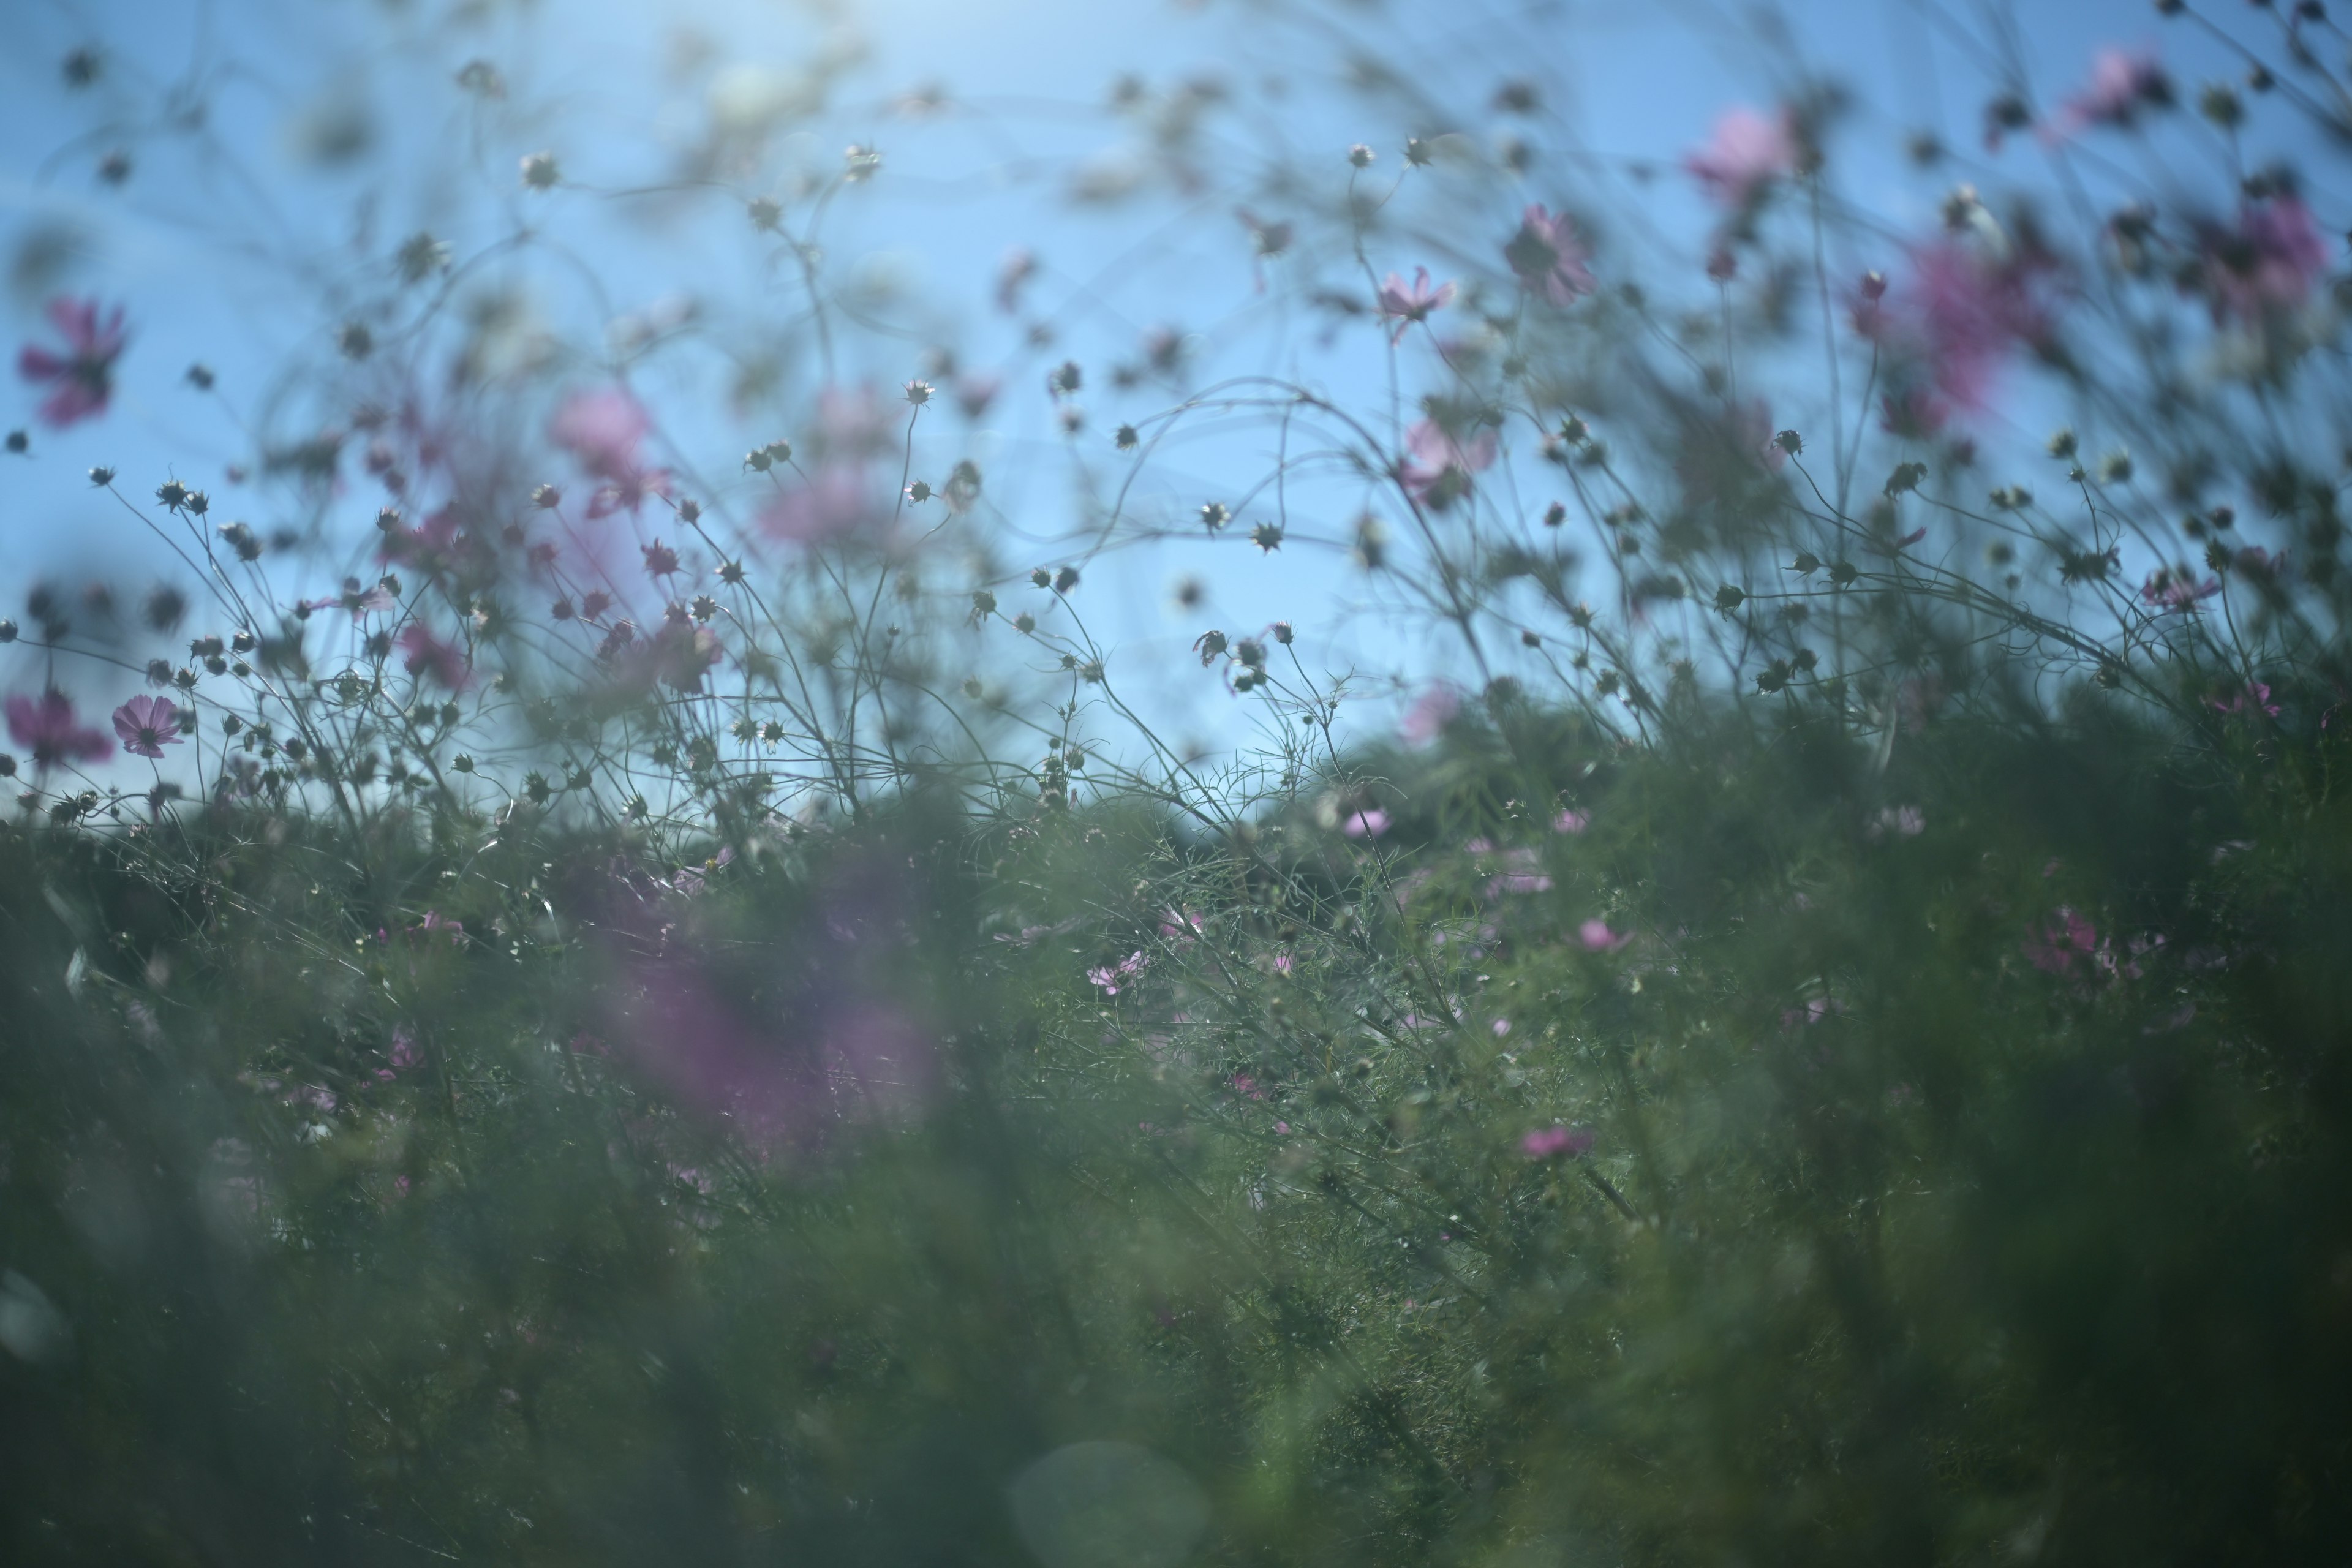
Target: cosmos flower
1550,256
46,727
1550,1143
1948,334
84,374
1748,152
1437,466
1408,304
147,725
429,658
2122,84
2265,263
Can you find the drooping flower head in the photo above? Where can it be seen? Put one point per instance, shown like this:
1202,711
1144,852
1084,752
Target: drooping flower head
147,725
46,726
1407,303
1550,256
84,374
1747,153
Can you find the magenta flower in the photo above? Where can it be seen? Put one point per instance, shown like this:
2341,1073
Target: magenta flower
833,502
147,725
1437,466
84,374
2168,590
1367,823
1405,304
430,659
1596,937
601,430
2256,696
1108,978
2122,84
46,727
1550,256
2065,937
2264,265
1550,1143
1748,152
1949,332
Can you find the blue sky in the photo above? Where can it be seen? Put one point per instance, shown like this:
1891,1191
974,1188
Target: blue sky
225,256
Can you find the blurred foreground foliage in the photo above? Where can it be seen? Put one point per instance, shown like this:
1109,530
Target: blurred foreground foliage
1759,1146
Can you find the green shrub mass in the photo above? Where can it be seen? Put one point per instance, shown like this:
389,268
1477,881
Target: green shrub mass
1966,1174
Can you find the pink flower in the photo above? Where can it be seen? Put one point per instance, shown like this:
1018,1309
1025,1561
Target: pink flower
2168,590
1550,256
1107,979
1430,711
1175,926
46,727
1748,152
1550,1143
1597,937
1501,1026
832,503
1572,821
2265,264
1436,468
2122,84
430,659
1951,331
1406,305
405,1054
1283,964
84,374
2257,694
1904,821
147,725
1367,823
602,430
2064,938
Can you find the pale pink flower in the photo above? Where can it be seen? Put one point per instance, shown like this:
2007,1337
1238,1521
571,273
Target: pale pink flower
427,657
601,430
833,502
1948,334
1408,304
1501,1027
46,726
1550,256
1108,979
1436,468
147,725
1430,711
1747,153
1549,1143
2266,263
1596,937
2064,939
2167,590
2122,84
1572,821
2256,696
84,374
1367,823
